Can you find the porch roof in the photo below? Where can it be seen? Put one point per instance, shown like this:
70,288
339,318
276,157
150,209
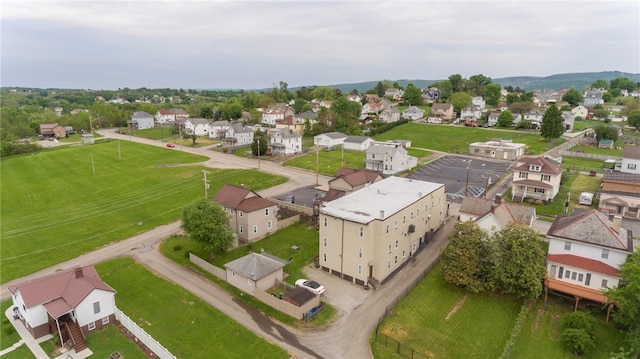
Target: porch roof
576,290
57,308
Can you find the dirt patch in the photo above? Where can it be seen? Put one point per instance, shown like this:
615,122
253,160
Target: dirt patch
541,313
457,306
394,331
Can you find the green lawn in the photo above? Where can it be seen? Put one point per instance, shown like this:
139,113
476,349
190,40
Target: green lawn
600,151
54,207
8,335
108,340
22,352
456,139
478,328
540,335
182,322
582,164
155,133
584,124
329,161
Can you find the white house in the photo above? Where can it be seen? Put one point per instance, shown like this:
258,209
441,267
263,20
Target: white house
271,115
284,141
631,160
389,114
413,113
140,120
218,129
478,101
167,116
585,252
580,111
535,117
394,93
568,120
492,119
537,178
238,135
64,301
471,113
493,216
388,158
197,126
357,143
329,139
593,97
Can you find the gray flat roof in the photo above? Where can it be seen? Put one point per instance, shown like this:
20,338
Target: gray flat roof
389,196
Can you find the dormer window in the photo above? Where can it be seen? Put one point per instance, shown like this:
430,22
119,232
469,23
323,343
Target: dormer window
534,168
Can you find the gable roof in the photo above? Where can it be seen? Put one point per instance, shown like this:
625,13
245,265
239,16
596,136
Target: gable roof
240,198
504,212
632,152
382,149
591,227
255,266
441,106
356,139
198,121
333,135
141,114
545,165
357,177
587,264
61,291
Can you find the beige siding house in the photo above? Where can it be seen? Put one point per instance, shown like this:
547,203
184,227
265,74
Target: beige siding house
251,216
255,272
536,178
620,194
367,235
500,149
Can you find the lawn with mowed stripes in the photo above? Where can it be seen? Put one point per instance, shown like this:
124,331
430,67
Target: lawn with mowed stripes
59,204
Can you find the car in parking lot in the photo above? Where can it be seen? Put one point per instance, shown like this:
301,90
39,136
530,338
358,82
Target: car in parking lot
311,285
171,145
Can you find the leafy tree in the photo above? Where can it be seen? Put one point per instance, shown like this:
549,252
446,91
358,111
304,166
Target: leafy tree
323,93
413,95
481,79
623,83
573,97
462,259
615,92
606,132
445,88
607,97
299,105
600,84
519,263
577,341
512,98
601,113
492,94
580,320
380,89
627,297
634,119
552,123
456,81
260,143
509,88
521,107
460,100
207,223
206,112
505,119
524,124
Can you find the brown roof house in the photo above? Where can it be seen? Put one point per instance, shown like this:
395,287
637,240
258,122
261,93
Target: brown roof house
442,110
71,303
52,130
620,194
251,216
493,216
348,180
536,178
585,252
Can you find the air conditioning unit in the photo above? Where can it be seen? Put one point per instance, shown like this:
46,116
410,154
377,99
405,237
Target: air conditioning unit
412,228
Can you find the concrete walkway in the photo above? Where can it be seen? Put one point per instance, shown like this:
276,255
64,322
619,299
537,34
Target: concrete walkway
27,339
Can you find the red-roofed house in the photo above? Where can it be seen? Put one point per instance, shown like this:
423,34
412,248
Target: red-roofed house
585,252
536,178
251,216
65,303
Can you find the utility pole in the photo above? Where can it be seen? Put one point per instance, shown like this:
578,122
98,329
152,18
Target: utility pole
317,165
342,162
258,152
206,184
466,186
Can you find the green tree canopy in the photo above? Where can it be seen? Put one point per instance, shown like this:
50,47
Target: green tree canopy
627,297
492,94
606,132
634,119
601,113
260,143
207,223
623,83
456,82
413,95
552,123
505,119
460,100
600,84
462,259
573,97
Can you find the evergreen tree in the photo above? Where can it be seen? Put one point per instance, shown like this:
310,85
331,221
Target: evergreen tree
552,123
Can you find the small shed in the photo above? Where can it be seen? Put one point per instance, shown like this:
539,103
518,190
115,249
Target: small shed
87,139
605,143
255,272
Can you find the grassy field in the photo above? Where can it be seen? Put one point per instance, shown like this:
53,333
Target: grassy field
456,139
279,244
54,207
22,352
329,161
8,336
182,322
440,320
582,164
600,151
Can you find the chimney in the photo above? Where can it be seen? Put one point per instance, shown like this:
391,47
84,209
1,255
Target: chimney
381,214
79,273
617,222
498,199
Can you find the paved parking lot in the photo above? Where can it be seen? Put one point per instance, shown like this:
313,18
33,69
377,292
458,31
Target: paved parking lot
452,171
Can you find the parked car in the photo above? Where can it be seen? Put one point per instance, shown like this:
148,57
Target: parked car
470,124
171,145
311,285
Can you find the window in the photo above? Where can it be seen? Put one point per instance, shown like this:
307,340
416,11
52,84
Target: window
387,228
604,283
395,260
418,211
324,257
388,264
411,215
587,279
404,219
567,274
389,248
91,326
631,166
540,190
241,229
567,246
359,268
269,225
534,168
476,150
255,229
96,307
560,272
266,211
241,213
361,231
524,175
360,252
573,275
403,255
580,277
325,221
546,178
105,320
605,254
324,240
396,243
231,210
395,224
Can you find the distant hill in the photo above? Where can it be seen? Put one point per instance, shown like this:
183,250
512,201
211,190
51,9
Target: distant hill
554,82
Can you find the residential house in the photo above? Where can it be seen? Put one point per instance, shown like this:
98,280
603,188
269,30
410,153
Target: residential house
272,114
399,142
357,143
251,216
255,272
326,104
218,129
292,124
140,120
471,113
442,111
371,108
580,111
197,126
368,97
65,303
394,94
238,135
620,194
585,253
631,159
479,102
389,114
501,149
492,119
284,141
430,94
329,139
345,181
303,117
169,116
58,111
354,98
367,235
388,158
52,130
494,215
413,113
536,178
593,97
535,117
68,130
568,120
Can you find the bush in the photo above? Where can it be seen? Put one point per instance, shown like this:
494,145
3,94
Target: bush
577,341
580,320
8,330
177,247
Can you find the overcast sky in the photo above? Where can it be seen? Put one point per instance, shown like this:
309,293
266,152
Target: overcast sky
255,44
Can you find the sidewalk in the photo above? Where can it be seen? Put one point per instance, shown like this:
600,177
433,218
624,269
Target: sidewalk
27,339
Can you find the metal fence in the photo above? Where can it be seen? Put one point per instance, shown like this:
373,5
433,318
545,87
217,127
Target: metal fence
401,349
143,336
